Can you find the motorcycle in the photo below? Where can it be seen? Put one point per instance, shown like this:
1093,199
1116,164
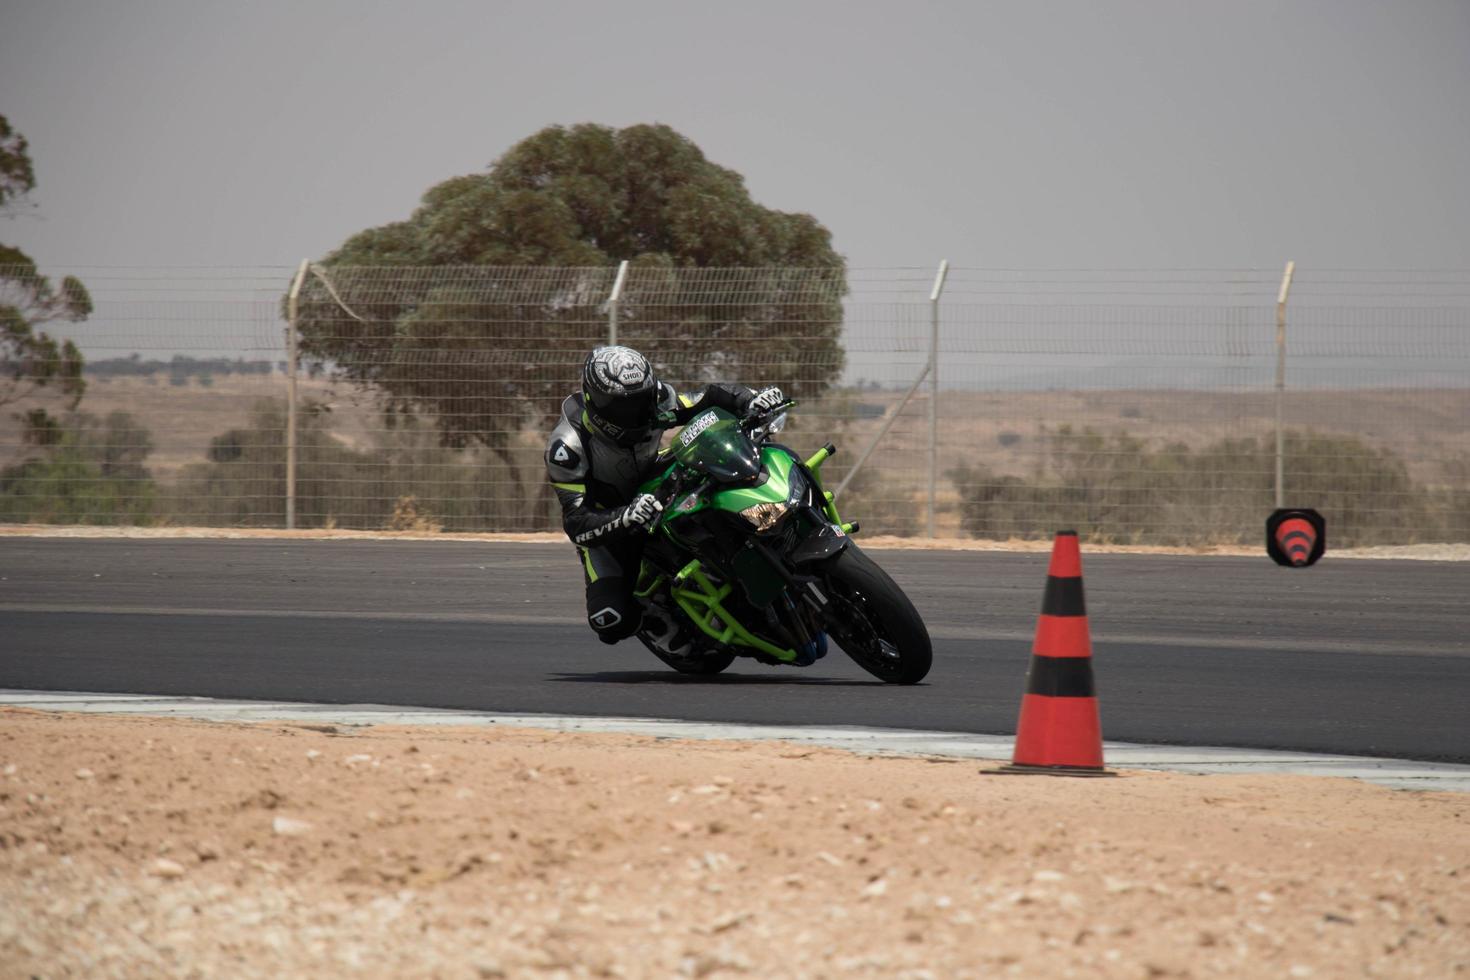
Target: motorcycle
750,558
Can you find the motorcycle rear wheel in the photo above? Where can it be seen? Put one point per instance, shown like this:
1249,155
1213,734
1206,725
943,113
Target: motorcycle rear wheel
702,664
702,659
878,627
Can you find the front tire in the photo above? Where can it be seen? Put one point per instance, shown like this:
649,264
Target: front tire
877,626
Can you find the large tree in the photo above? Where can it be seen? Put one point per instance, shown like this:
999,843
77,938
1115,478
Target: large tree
17,174
488,351
32,362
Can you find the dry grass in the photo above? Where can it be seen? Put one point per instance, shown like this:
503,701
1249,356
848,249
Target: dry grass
1004,431
1422,426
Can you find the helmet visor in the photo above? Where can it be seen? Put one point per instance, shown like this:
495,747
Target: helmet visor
630,411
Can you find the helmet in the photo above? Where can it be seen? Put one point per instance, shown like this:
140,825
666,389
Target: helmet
620,394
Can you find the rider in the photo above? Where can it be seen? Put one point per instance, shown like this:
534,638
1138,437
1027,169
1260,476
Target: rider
603,448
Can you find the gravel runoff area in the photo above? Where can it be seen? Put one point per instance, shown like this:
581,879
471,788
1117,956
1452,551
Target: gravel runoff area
1422,552
147,847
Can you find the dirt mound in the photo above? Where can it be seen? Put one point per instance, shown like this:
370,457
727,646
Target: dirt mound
150,847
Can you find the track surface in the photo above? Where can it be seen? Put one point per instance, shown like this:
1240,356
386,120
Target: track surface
1356,657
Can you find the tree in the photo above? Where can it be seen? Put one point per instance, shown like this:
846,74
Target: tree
487,356
30,359
17,175
89,471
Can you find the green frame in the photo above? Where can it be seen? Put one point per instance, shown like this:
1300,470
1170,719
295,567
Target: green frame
704,603
814,464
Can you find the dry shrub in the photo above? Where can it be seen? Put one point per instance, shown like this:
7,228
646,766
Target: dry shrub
408,517
1117,488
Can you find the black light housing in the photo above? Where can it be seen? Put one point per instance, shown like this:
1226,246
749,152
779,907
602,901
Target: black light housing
1296,537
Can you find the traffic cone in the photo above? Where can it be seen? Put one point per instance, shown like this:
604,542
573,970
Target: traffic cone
1059,733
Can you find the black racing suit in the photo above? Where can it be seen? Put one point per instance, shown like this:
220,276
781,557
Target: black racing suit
595,479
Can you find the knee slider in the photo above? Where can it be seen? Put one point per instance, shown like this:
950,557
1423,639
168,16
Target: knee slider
611,609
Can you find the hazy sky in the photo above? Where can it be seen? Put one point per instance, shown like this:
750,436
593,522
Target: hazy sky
1018,134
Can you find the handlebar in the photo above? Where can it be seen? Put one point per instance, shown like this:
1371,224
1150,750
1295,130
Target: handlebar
760,419
666,420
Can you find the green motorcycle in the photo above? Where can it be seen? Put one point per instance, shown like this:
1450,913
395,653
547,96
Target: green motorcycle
750,559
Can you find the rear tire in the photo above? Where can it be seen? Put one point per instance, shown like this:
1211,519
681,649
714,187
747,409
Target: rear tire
878,627
706,664
701,659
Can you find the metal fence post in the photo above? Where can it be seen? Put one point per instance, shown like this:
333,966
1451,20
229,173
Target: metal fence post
882,431
934,387
612,304
293,302
1281,381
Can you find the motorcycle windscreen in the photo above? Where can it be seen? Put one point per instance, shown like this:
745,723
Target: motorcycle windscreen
713,444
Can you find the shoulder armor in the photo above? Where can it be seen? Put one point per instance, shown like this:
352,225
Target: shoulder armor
571,407
566,457
668,399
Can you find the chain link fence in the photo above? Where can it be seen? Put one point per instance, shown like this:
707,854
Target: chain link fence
1136,405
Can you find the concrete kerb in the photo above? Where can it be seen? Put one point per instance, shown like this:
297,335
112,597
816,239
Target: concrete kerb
956,746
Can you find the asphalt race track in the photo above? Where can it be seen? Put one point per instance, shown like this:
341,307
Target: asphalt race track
1354,657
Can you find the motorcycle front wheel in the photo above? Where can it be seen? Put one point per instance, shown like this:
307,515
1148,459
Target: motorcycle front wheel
876,624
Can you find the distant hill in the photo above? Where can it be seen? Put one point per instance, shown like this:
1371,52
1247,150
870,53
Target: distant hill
179,369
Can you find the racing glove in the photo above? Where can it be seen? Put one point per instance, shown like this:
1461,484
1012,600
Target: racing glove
613,525
765,400
642,512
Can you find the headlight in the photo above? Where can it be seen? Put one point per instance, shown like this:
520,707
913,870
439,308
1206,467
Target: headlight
763,517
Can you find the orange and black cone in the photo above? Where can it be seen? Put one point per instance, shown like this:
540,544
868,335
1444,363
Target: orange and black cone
1059,732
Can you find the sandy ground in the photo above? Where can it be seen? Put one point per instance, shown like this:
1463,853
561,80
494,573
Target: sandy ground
145,847
1423,552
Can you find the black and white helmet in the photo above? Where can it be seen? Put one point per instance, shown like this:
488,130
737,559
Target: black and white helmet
620,394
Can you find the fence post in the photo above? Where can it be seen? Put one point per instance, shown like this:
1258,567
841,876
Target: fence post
934,387
1281,381
883,431
612,304
293,302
